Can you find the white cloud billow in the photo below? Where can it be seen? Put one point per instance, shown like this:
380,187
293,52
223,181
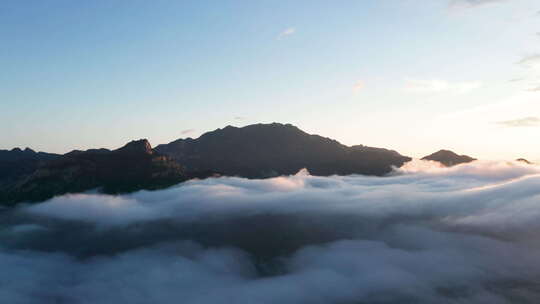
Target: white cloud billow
426,234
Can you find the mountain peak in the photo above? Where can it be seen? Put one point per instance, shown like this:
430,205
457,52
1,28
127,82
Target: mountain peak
448,158
137,146
272,149
26,150
523,160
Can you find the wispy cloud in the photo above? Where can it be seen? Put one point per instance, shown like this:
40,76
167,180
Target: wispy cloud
472,3
286,32
187,131
531,121
239,118
530,61
437,86
534,89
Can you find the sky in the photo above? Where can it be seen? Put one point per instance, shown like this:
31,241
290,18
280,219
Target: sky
411,75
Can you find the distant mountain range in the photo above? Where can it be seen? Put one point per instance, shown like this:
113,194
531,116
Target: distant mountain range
254,151
132,167
523,160
449,158
15,163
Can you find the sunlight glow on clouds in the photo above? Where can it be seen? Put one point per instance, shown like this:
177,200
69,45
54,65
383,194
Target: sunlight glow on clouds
478,127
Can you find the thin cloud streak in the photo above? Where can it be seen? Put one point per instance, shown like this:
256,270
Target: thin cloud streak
439,86
287,32
187,131
530,121
530,61
473,3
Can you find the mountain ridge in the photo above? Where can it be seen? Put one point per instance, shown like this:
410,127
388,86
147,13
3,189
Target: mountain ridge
449,158
135,166
17,162
253,151
265,150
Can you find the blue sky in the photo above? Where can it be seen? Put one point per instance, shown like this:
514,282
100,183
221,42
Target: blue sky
411,75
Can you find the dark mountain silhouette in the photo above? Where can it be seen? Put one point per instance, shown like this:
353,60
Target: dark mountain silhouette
264,150
449,158
133,167
255,151
16,162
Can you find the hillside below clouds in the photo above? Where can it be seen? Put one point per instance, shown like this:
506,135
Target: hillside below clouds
255,151
133,167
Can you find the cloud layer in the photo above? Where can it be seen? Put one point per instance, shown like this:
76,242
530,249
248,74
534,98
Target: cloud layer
426,234
530,121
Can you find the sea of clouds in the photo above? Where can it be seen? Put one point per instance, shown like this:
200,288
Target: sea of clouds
425,234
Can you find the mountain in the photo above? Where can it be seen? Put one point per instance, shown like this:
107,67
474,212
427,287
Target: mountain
255,151
449,158
523,160
16,162
265,150
135,166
